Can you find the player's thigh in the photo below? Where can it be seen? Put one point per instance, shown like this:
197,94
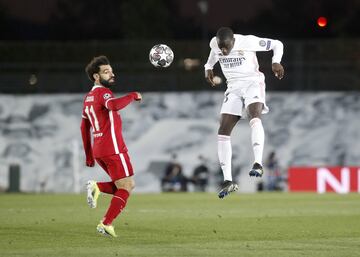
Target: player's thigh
127,183
227,123
102,164
119,166
254,99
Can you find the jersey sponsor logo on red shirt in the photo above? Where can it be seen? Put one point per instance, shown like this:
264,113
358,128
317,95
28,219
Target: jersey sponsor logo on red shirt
98,134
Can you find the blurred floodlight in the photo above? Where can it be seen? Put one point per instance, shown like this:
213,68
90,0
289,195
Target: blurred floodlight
203,6
190,63
322,21
33,80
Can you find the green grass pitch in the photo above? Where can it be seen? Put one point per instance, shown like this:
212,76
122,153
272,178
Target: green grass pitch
192,224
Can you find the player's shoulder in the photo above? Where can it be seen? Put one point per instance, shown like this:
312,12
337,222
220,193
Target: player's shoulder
241,38
102,92
246,41
87,97
213,43
238,36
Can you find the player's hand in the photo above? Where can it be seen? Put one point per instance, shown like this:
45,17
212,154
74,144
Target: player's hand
138,96
90,162
278,70
209,76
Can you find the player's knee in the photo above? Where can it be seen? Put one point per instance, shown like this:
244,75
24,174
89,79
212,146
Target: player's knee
131,185
254,110
255,116
224,130
127,184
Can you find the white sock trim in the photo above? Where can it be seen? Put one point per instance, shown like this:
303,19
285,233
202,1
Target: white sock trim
223,138
254,121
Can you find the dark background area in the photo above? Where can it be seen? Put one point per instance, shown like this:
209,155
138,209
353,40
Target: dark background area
45,44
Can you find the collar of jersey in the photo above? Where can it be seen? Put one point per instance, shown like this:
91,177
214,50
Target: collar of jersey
96,86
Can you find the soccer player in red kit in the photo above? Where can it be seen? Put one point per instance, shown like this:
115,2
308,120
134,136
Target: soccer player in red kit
100,115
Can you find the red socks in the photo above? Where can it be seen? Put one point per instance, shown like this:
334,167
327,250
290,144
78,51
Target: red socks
118,203
107,187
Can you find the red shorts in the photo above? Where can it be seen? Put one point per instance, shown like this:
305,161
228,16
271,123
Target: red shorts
117,166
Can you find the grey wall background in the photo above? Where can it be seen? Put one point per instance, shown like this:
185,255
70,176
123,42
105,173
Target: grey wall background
41,133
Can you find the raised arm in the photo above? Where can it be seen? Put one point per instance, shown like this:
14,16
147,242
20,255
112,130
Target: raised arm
253,43
115,104
278,50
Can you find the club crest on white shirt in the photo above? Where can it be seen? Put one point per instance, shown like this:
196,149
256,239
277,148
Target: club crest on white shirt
240,52
107,96
262,43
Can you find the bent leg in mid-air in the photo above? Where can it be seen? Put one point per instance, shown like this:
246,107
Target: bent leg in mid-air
227,123
120,170
94,188
257,137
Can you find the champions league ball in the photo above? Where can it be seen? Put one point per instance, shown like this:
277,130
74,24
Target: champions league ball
161,56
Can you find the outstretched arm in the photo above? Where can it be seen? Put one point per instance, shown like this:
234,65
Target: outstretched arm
278,50
115,104
253,43
86,138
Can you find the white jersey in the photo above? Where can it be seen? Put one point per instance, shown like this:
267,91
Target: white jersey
242,63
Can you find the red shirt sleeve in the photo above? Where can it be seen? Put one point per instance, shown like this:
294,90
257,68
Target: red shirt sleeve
115,104
86,138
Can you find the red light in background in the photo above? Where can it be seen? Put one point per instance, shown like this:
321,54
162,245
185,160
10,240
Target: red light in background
322,21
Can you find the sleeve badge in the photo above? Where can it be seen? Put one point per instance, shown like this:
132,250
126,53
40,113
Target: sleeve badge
107,96
262,43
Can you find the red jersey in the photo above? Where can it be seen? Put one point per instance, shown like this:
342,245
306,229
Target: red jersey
105,121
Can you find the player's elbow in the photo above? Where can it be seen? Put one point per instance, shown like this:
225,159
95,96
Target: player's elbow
110,105
278,44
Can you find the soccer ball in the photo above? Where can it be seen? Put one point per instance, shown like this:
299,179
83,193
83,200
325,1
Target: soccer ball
161,56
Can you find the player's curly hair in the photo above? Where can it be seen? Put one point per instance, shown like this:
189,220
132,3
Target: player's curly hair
94,65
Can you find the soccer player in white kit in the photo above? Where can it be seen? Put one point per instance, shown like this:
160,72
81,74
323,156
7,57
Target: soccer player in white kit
245,87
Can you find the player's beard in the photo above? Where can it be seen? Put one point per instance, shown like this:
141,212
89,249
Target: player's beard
108,83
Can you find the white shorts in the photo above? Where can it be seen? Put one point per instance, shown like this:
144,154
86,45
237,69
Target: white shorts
241,94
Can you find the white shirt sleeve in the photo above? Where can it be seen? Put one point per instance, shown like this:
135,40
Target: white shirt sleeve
253,43
212,60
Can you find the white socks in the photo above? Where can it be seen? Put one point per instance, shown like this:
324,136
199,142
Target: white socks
225,150
257,139
225,154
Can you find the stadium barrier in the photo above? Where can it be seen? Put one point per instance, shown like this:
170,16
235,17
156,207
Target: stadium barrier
14,178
